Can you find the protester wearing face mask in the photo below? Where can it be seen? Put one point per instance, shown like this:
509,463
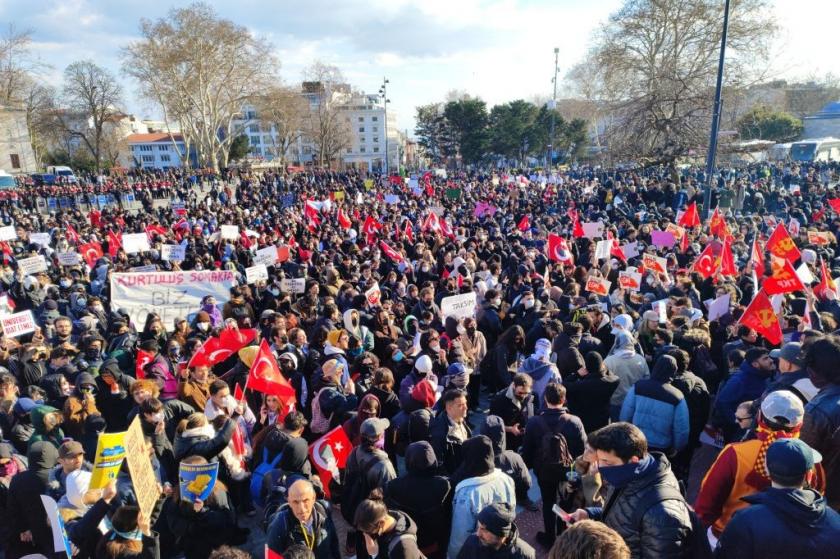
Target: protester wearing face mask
79,405
201,326
46,422
113,394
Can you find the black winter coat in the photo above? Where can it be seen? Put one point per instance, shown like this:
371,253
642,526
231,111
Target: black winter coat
516,548
589,398
821,431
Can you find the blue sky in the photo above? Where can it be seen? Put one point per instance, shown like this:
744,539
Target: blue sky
499,50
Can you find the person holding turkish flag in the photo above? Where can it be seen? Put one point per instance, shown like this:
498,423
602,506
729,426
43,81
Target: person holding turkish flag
265,376
690,218
558,249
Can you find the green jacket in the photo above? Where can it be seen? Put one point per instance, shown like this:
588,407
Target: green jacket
39,415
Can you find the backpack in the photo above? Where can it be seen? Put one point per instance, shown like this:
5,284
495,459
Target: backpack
394,541
553,457
319,424
259,473
355,488
696,543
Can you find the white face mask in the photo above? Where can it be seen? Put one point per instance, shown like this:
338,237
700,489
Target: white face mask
203,326
528,303
434,347
497,302
158,417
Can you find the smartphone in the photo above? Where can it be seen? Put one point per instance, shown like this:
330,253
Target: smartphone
561,513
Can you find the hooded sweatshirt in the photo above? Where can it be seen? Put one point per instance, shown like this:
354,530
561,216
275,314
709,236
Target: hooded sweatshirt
52,386
542,372
46,427
482,484
628,366
508,461
25,490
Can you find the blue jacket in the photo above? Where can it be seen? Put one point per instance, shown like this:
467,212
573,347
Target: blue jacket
782,524
472,495
660,411
748,383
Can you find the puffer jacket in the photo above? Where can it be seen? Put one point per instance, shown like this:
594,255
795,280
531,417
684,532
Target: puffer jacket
629,367
474,493
515,548
658,408
664,526
780,524
543,373
201,441
508,461
820,430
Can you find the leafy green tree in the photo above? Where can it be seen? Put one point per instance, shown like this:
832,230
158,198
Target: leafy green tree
512,129
434,133
763,123
469,120
239,147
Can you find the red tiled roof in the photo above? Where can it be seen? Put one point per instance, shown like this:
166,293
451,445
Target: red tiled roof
154,137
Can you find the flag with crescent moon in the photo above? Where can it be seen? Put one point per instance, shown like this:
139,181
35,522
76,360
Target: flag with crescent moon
329,454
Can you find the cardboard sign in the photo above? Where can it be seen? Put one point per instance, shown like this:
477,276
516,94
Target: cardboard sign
110,453
630,280
32,265
719,307
173,253
196,481
392,199
18,324
662,239
68,258
256,273
599,286
602,249
8,233
140,467
135,242
373,295
592,230
169,294
459,306
230,232
631,250
266,256
143,269
819,238
655,263
42,239
295,286
663,312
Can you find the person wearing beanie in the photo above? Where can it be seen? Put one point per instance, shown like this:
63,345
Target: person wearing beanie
628,366
540,368
788,519
496,536
23,429
113,395
201,326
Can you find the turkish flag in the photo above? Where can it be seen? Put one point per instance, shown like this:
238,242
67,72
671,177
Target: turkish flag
371,226
524,223
727,262
72,235
343,220
271,554
154,229
757,258
781,244
265,375
238,393
615,248
706,264
235,339
835,204
114,243
409,232
432,223
329,454
446,229
690,218
143,359
826,281
91,252
557,249
783,279
761,317
577,228
390,252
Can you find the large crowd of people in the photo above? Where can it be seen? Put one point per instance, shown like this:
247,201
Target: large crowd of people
669,383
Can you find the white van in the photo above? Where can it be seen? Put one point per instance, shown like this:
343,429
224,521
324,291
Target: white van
61,171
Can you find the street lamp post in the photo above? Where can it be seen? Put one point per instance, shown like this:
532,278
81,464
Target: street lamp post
383,92
553,107
710,159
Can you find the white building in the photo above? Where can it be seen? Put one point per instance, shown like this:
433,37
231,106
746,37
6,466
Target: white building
156,150
16,154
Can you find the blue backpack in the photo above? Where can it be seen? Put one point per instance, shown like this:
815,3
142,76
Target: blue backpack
259,473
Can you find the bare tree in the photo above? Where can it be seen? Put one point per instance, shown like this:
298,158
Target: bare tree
653,67
91,95
18,65
201,70
283,111
326,124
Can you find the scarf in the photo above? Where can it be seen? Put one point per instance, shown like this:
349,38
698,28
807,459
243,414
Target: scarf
768,436
136,534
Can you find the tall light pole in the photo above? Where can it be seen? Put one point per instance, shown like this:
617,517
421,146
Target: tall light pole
383,92
710,158
553,106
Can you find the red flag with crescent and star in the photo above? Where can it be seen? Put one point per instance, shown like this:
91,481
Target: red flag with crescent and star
706,264
761,317
558,249
329,454
265,375
757,259
690,218
91,252
143,359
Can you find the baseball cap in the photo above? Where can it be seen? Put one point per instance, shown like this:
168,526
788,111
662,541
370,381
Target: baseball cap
783,407
70,449
790,352
788,460
423,364
374,427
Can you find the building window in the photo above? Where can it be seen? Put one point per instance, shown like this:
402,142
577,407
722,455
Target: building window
376,139
361,119
254,128
376,129
361,128
144,148
376,149
349,150
15,160
374,118
164,157
362,149
163,148
148,159
254,140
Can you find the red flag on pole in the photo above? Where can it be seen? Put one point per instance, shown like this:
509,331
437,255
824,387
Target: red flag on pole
835,204
577,228
761,317
72,235
114,243
727,262
343,220
524,223
826,281
271,554
329,454
390,252
781,244
143,359
265,376
409,232
690,218
718,226
91,252
557,249
783,278
706,264
757,258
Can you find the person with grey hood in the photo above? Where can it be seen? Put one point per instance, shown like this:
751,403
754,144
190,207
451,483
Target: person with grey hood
540,368
425,495
628,366
508,461
497,536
